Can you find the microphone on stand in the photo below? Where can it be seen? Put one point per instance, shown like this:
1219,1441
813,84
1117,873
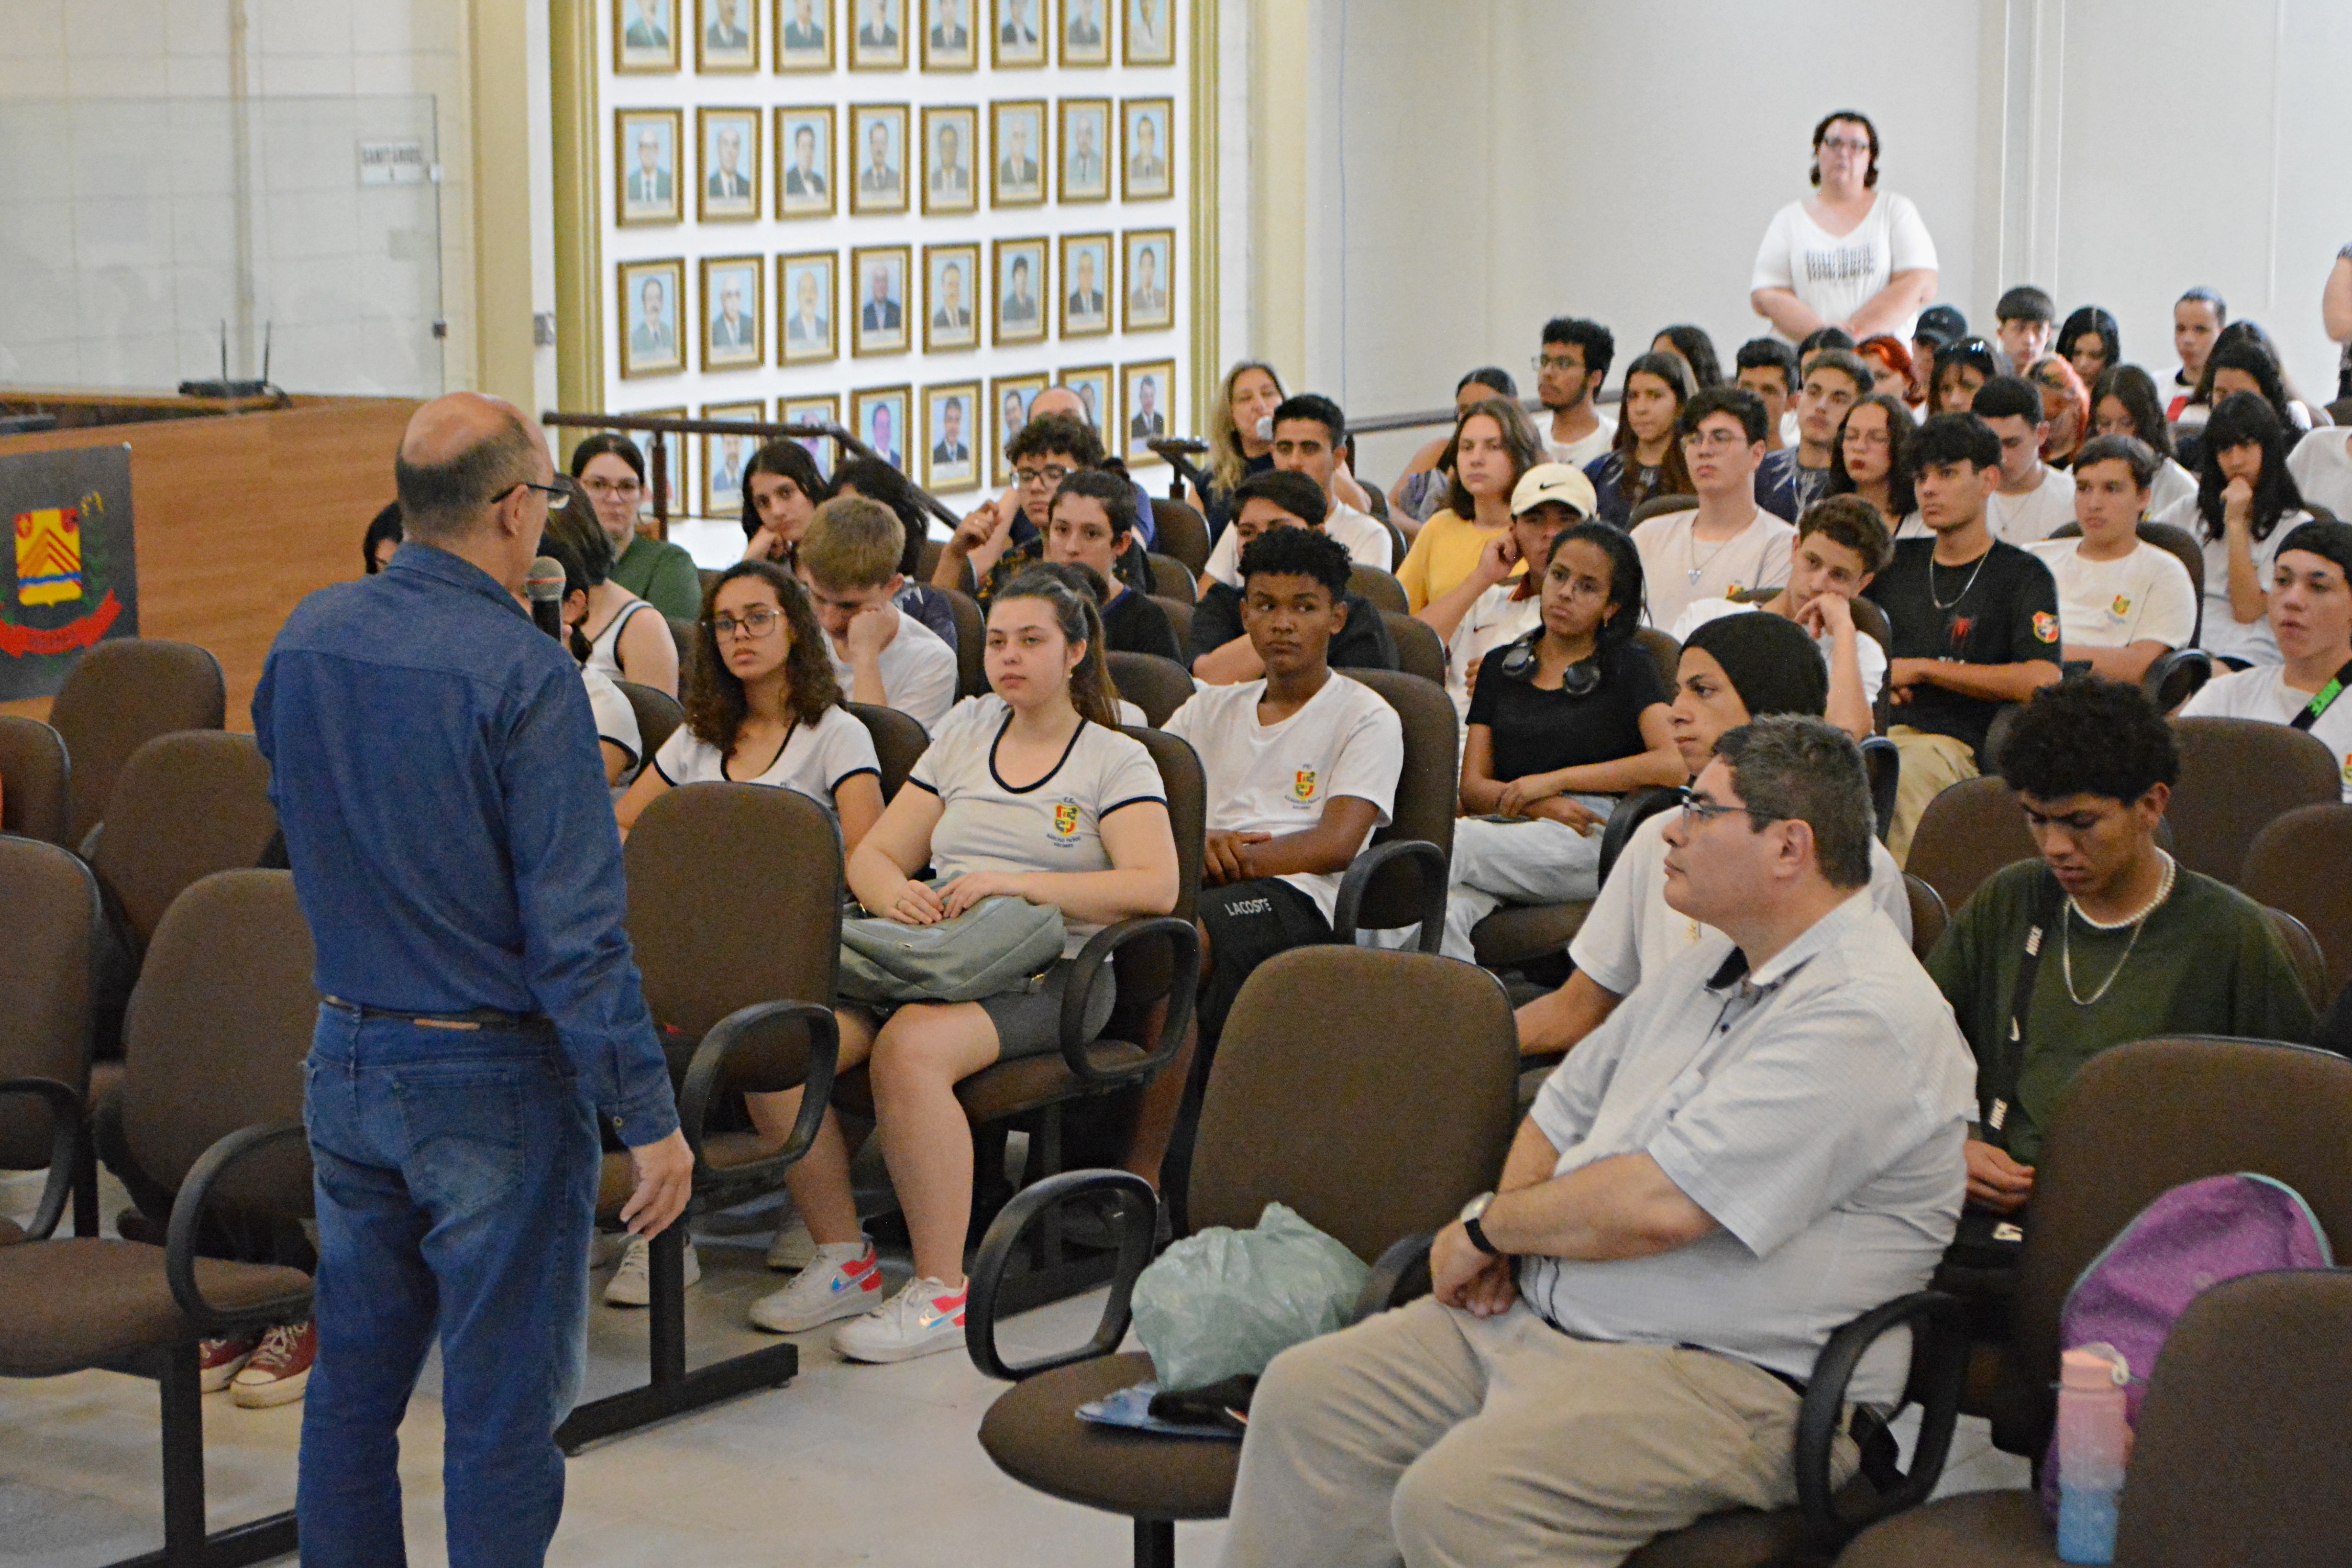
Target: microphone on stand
543,587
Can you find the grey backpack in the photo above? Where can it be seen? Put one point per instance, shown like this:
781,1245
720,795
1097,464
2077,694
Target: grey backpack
1000,944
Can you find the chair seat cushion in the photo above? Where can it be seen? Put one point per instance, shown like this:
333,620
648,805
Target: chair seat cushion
1517,932
1742,1538
1034,1434
1980,1530
1008,1089
11,1232
85,1300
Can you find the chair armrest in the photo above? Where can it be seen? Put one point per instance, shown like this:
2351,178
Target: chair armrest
1184,985
2176,676
1138,1223
64,1147
1353,887
1939,1356
1396,1267
707,1070
188,1221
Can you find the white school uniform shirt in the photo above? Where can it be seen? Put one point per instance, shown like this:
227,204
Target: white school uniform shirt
2322,469
1869,659
1276,778
604,649
1494,618
1632,931
2222,634
1678,569
2037,515
2174,484
814,758
1053,824
615,721
1368,543
1836,275
919,672
1584,450
2262,693
2145,597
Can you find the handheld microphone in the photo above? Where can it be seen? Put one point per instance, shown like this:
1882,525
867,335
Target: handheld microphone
543,585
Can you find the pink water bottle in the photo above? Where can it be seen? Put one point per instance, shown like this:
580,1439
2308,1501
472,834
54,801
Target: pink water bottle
2094,1443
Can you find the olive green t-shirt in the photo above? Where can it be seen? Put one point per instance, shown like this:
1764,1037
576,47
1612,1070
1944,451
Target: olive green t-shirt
662,574
2208,962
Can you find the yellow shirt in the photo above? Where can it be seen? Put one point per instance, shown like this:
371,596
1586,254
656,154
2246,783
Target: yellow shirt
1444,553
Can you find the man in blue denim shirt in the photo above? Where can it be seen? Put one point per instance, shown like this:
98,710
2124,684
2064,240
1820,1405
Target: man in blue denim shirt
435,770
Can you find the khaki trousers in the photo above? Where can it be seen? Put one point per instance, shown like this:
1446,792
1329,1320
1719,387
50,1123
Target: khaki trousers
1931,765
1430,1437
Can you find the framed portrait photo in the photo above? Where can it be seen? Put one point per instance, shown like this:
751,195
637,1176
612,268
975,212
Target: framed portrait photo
806,295
877,288
723,457
950,34
727,37
878,417
653,297
951,307
1149,33
1009,398
877,150
1146,407
877,35
645,36
1092,383
804,36
1147,167
951,167
805,181
674,447
1018,138
824,410
951,425
1085,285
1085,32
1149,303
1017,34
1086,150
734,330
729,191
1023,286
646,170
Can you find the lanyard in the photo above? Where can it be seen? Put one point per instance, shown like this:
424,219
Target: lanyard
2322,700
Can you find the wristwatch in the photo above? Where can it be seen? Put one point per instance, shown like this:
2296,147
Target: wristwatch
1471,1213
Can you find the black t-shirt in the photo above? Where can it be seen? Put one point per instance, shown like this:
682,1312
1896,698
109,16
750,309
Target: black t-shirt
2001,608
1362,644
1537,732
1134,624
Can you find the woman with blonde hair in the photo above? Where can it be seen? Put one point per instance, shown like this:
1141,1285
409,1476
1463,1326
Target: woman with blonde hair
1241,438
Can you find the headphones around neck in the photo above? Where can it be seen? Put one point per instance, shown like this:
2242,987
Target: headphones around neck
1582,678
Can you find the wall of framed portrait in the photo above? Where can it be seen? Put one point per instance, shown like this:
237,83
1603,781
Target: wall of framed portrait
911,215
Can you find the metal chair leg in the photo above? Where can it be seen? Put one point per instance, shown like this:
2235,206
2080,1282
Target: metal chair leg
184,1457
1155,1544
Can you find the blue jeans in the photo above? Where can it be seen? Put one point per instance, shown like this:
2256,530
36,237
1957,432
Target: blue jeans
456,1176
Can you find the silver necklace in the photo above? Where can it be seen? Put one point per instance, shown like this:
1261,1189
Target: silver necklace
2139,923
1698,565
1964,587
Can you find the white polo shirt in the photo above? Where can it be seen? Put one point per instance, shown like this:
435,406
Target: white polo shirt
1368,543
2145,597
2262,693
815,759
918,668
615,721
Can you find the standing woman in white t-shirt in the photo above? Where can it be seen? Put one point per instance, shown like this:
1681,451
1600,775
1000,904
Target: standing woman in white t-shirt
1032,791
1852,257
2246,502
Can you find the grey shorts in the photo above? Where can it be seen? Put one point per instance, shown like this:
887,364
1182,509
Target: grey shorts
1029,1023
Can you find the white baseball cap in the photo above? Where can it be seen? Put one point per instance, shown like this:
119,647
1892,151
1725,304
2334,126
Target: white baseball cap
1553,482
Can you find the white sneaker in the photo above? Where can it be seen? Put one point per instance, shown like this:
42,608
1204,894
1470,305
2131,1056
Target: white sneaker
921,1320
606,1246
842,1280
793,1249
632,1284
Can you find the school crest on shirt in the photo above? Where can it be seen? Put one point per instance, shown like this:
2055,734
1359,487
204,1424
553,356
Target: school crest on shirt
1065,818
2045,626
1302,783
2121,608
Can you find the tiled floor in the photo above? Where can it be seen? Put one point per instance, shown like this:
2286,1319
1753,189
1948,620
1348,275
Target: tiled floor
849,1464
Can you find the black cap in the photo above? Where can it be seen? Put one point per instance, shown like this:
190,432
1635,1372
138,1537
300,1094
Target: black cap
1944,321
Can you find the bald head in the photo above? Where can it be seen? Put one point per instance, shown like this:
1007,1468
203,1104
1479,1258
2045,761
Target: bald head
459,454
1058,400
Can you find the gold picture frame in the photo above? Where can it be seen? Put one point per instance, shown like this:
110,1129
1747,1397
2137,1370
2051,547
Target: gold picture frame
1020,391
648,194
950,176
1147,270
951,307
1087,286
1146,149
951,48
738,341
875,189
1083,38
1147,409
951,419
1084,134
1008,321
1097,390
717,48
874,44
816,193
645,37
873,328
816,409
804,47
802,337
724,457
1146,32
651,343
899,400
1018,158
724,194
1016,39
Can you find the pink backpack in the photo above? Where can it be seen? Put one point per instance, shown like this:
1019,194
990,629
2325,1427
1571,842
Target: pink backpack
2188,1241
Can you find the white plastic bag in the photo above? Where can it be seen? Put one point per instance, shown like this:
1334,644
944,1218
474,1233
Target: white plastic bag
1225,1302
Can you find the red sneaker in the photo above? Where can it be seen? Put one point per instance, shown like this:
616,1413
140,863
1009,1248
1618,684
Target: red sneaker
218,1360
279,1370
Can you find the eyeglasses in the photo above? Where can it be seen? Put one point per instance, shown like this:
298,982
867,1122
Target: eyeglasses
756,622
556,497
1555,361
1715,440
1844,144
1698,810
1052,474
600,488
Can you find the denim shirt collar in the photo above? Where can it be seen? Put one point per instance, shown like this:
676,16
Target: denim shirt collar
455,571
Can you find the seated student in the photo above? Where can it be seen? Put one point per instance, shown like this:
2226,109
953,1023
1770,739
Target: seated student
1428,477
1030,792
1645,460
627,638
611,469
1059,399
1310,437
1872,458
2024,320
2122,603
1691,345
2090,340
1088,585
1794,477
1564,719
2310,616
384,536
763,707
1734,668
2246,502
2032,500
2124,403
878,481
2065,409
781,490
1768,367
618,736
1725,543
1961,371
1221,650
2244,359
1841,545
2321,465
1498,601
1975,620
1091,524
1571,367
1761,1145
849,564
1493,445
2130,945
1891,373
1302,763
1003,537
2198,318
